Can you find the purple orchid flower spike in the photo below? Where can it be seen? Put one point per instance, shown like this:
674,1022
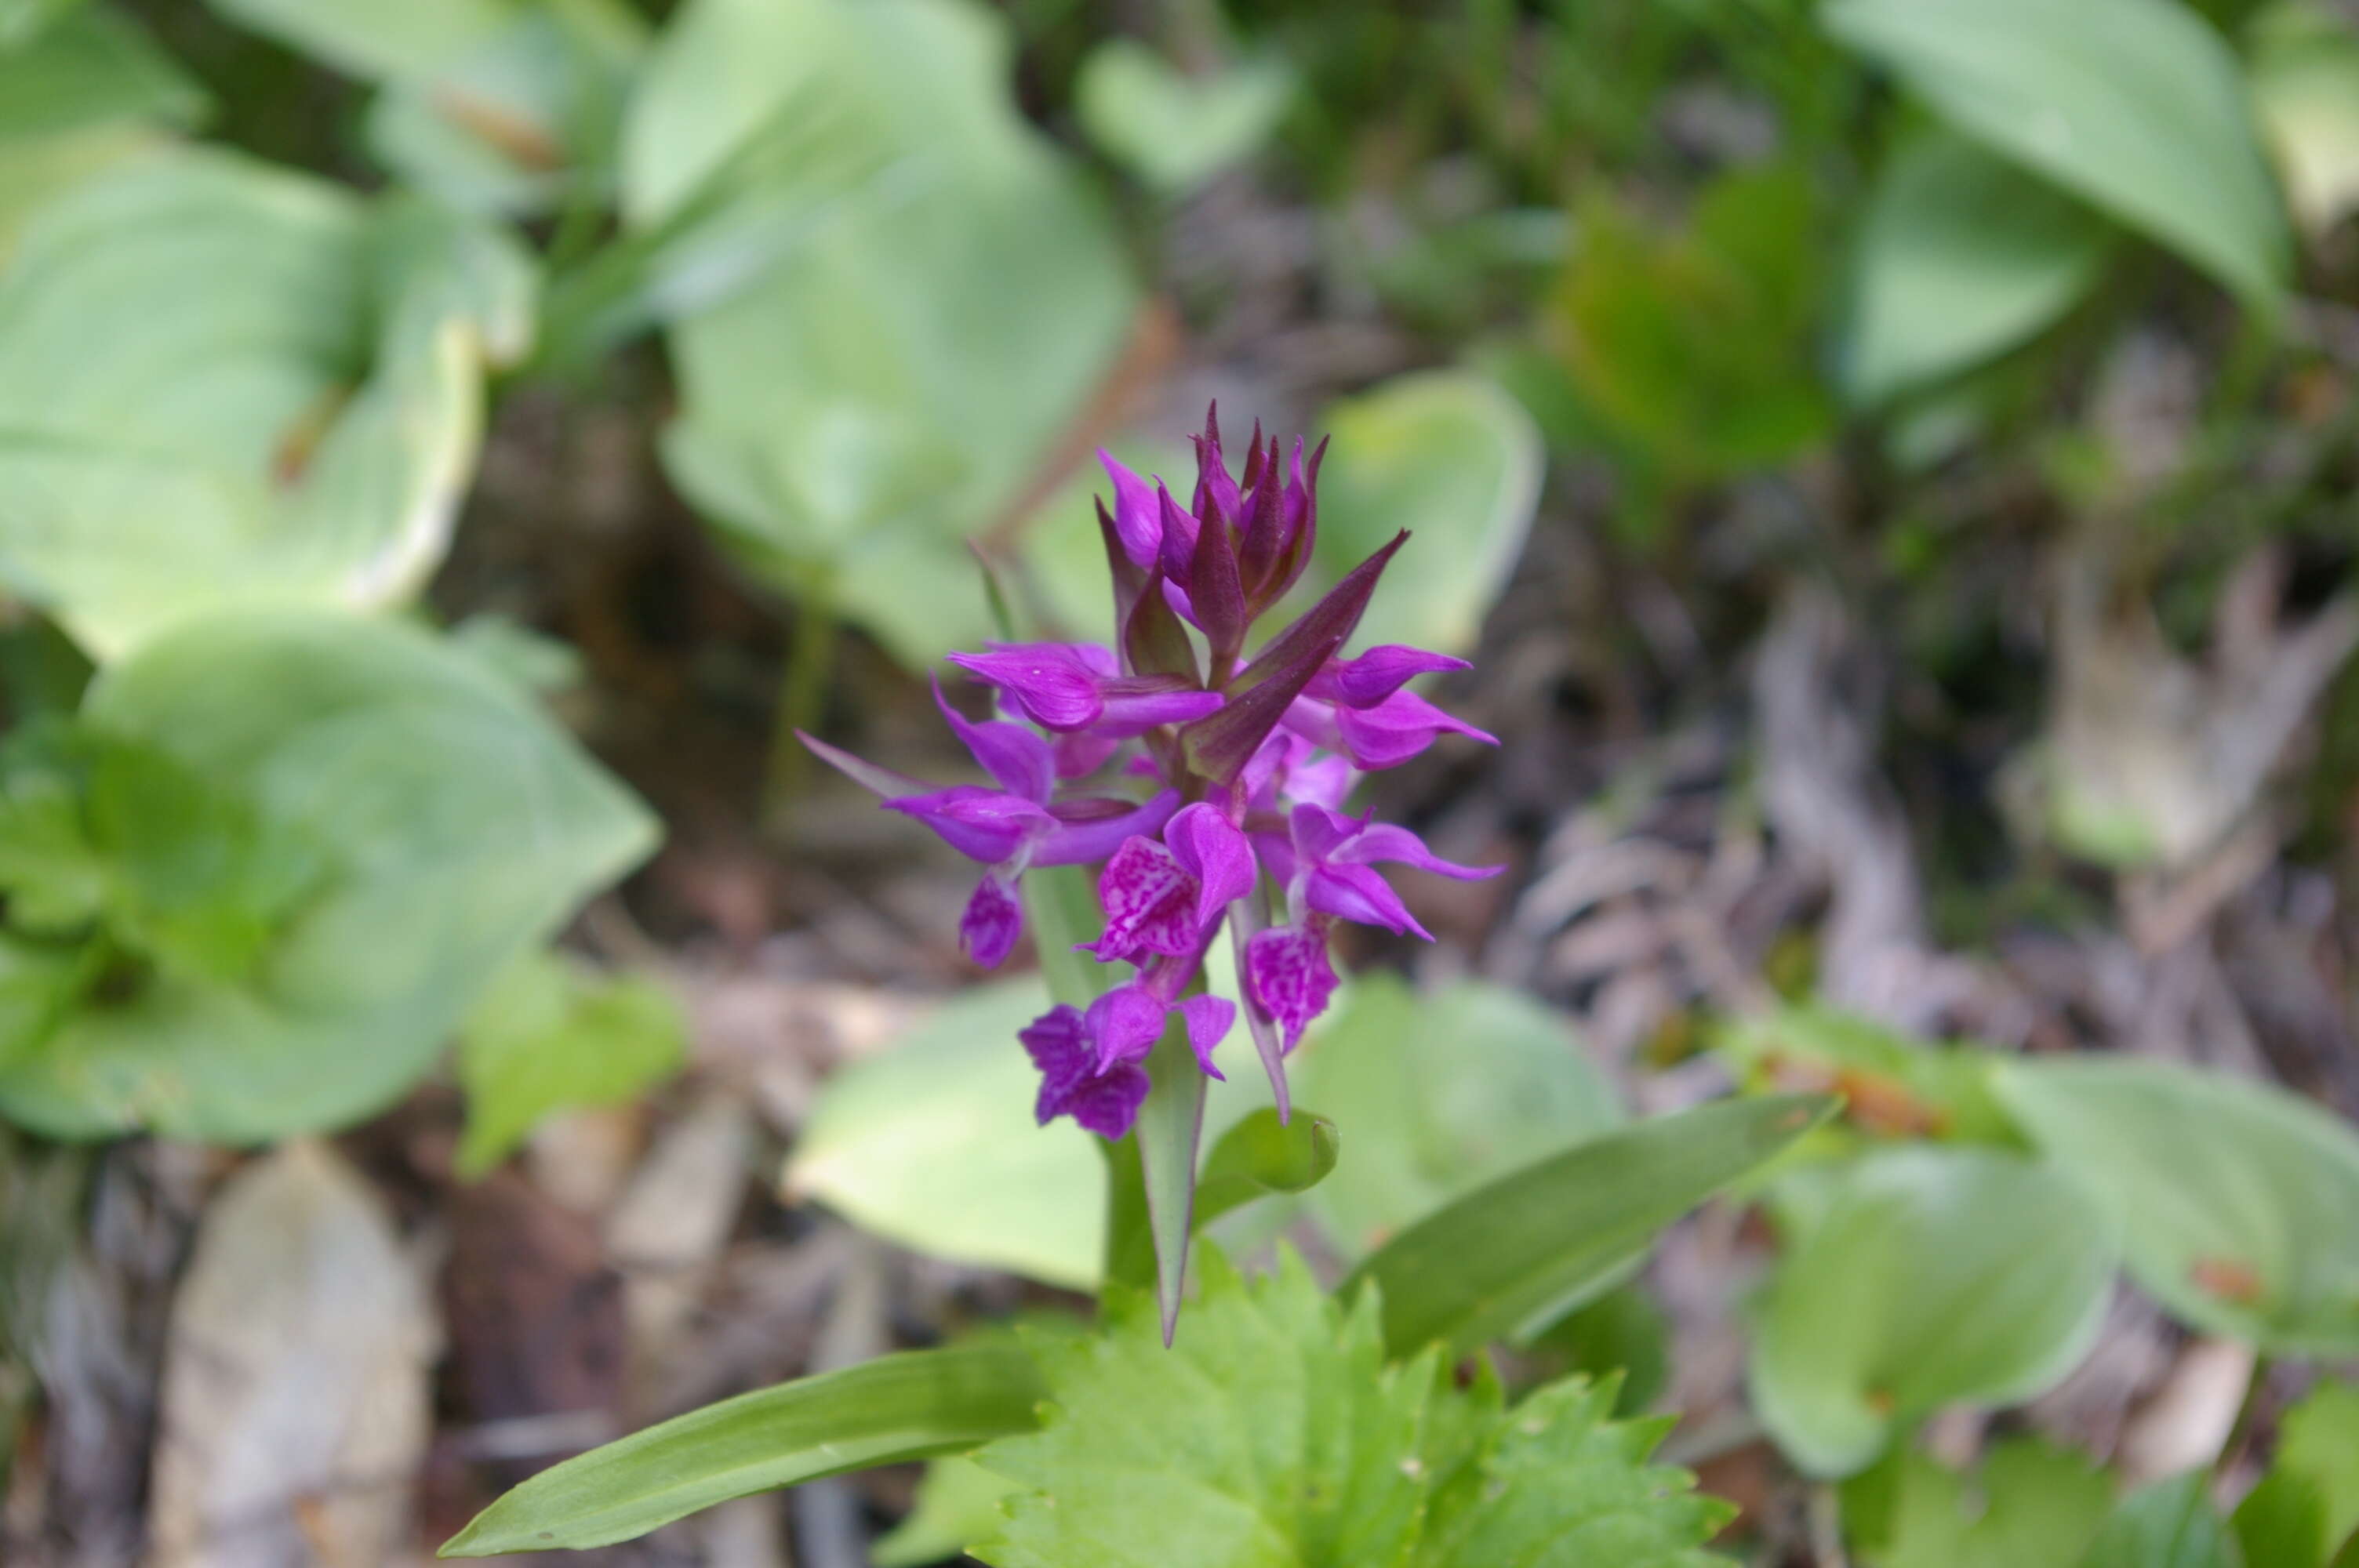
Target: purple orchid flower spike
1244,755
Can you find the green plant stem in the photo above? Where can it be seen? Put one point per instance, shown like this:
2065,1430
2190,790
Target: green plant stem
810,658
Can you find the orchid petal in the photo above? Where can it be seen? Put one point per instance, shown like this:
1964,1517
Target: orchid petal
1124,1024
1401,726
1149,903
1211,850
1077,840
1048,682
1108,1104
1291,976
1137,520
1020,760
1360,894
1377,674
985,824
1059,1046
865,774
1208,1018
1386,841
993,921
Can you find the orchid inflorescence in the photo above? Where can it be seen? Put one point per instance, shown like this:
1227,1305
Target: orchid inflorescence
1251,760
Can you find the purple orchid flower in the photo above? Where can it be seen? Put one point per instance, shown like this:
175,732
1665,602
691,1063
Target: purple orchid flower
1249,757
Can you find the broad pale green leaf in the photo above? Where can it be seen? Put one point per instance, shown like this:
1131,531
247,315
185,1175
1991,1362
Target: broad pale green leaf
891,383
551,1034
1274,1435
23,20
1439,1095
932,1143
2305,81
2282,1520
896,1408
2170,1524
1261,1156
2236,1197
375,38
2136,105
1931,1276
521,121
1455,459
232,385
460,827
1961,256
1893,1085
2034,1507
90,68
1529,1244
1173,131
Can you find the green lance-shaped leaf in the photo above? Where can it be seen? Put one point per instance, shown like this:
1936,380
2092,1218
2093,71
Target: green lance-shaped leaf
1534,1242
896,1408
2134,105
1171,1127
2236,1197
1929,1276
1261,1155
2170,1524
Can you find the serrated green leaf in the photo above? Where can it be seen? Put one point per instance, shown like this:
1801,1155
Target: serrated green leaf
2170,1524
1932,1276
1961,255
460,826
895,1408
551,1034
889,384
234,385
1622,1334
1519,1249
1439,1094
1274,1435
2236,1197
2136,105
932,1143
1173,131
958,1503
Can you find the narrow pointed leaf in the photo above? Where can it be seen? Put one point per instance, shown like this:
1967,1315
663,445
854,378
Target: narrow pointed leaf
883,1411
1536,1240
1261,1155
1169,1124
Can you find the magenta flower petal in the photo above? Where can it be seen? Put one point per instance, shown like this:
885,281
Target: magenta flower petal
1077,754
865,774
1401,726
1050,682
1093,827
993,921
1020,760
1138,519
986,824
1124,1024
1208,1018
1387,841
1375,675
1108,1104
1149,901
1289,976
1132,705
1360,894
1060,1048
1212,851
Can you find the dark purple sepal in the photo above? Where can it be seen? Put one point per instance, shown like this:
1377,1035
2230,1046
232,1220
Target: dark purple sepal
1129,580
1220,744
1216,594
